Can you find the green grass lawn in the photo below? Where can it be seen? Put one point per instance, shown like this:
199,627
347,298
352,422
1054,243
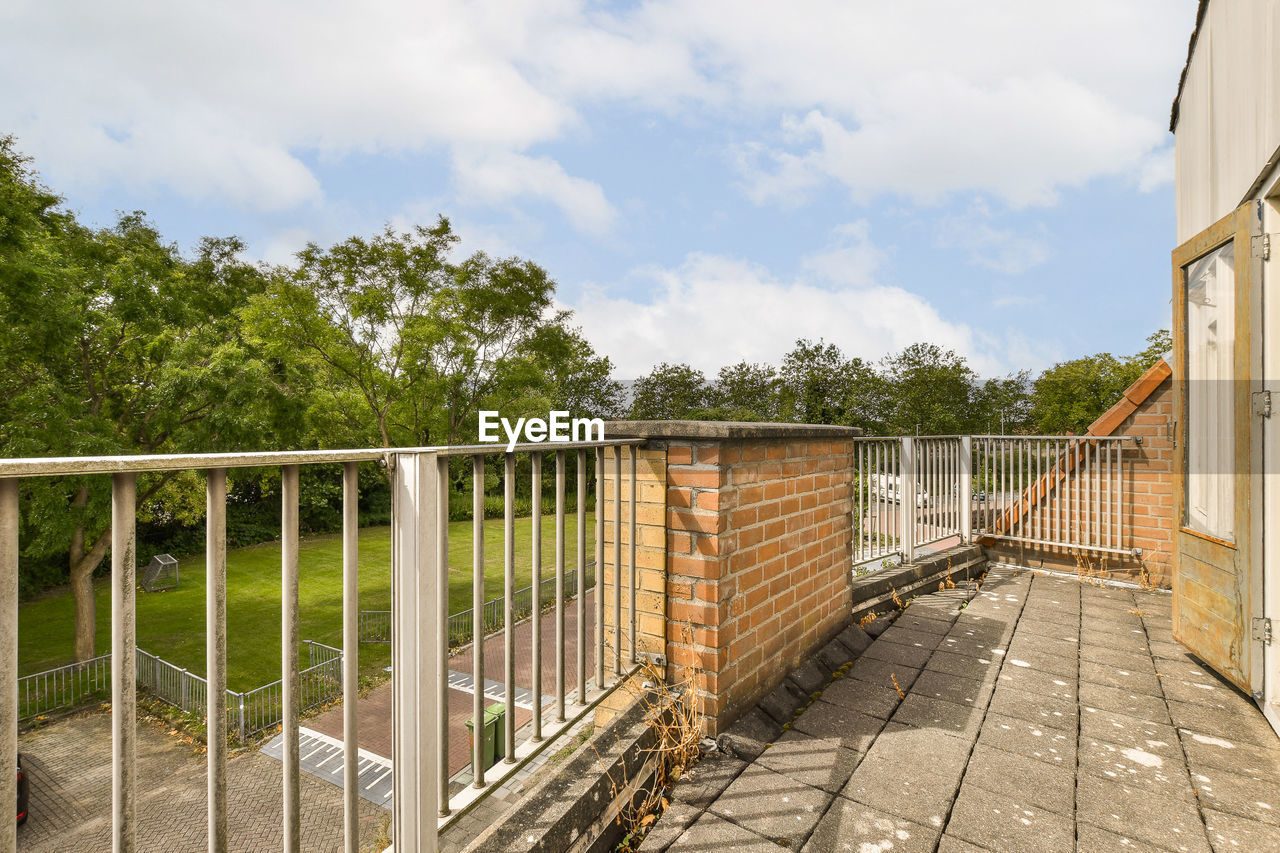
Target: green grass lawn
171,624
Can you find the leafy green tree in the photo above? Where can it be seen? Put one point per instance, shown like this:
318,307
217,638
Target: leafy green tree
931,391
671,392
747,392
815,383
1004,405
1071,395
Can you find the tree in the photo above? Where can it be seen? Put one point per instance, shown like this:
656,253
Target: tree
671,392
815,383
1071,395
931,391
116,344
746,392
1003,405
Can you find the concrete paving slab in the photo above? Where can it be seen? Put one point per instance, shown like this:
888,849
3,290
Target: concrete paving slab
883,672
919,792
908,637
1066,666
1171,651
1033,740
1117,658
1092,839
1060,647
706,780
1236,756
1128,810
671,824
1006,825
1156,775
897,653
1228,832
1252,728
951,844
712,832
1124,679
1018,777
850,728
747,738
904,744
1252,798
850,827
1132,643
980,668
876,700
1048,711
1205,689
814,761
1139,705
976,647
1131,732
971,693
928,713
772,806
1020,674
927,623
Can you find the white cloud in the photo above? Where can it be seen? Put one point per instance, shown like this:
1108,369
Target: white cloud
714,310
1001,250
227,101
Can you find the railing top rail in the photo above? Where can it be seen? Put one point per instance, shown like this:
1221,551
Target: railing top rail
70,465
1002,437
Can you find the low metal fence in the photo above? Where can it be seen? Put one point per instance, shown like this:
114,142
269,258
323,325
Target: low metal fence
375,625
63,687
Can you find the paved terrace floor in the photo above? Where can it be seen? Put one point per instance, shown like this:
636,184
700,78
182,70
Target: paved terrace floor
1047,715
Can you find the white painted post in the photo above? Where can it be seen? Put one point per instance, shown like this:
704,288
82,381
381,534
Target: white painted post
124,664
415,671
9,653
966,489
907,499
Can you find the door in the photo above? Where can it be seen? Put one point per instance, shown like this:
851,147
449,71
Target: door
1217,576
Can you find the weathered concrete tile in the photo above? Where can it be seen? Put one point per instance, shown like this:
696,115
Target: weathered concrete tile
1022,645
1019,778
967,666
852,729
975,647
1252,798
1019,674
707,779
854,639
883,672
880,624
913,621
1156,774
970,692
712,832
951,844
850,827
1091,839
1007,825
904,744
1046,621
928,713
1062,666
920,792
1134,643
1033,740
1046,710
816,762
1125,679
1130,732
1205,688
1128,810
773,806
1171,651
1140,705
1251,727
783,701
746,738
876,700
1235,756
671,824
809,677
912,656
833,656
1120,659
909,637
1228,832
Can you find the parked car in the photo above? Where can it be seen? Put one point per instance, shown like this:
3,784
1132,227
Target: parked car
23,793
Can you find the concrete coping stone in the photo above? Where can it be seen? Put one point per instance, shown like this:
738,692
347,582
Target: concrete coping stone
726,430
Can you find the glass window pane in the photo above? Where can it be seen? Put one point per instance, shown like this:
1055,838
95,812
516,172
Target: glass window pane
1210,337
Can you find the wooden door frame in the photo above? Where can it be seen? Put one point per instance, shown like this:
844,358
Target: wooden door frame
1237,227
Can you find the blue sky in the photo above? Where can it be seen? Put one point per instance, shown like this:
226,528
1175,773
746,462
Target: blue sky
706,182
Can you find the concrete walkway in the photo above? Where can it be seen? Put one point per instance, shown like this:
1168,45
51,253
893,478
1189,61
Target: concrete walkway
1047,715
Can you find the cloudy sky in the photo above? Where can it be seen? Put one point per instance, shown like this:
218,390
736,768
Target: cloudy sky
706,181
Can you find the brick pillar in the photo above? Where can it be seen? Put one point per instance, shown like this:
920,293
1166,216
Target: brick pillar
758,550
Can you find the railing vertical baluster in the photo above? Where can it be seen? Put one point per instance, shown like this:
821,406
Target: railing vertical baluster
509,601
289,655
416,670
350,655
1121,526
581,593
966,489
535,625
559,655
9,515
635,452
215,617
1107,498
123,662
907,499
478,629
617,563
599,586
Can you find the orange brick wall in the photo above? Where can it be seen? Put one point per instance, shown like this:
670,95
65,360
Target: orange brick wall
1150,499
758,561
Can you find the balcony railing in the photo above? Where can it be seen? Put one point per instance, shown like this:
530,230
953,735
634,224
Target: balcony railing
419,622
1057,492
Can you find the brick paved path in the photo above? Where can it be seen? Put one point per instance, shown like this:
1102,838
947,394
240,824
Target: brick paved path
375,709
1047,715
69,765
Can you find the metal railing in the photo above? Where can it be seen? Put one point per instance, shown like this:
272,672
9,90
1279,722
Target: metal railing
63,687
421,803
1061,492
375,625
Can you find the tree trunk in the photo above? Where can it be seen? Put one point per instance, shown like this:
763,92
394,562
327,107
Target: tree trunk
83,564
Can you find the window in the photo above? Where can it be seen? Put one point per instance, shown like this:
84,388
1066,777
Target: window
1210,341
